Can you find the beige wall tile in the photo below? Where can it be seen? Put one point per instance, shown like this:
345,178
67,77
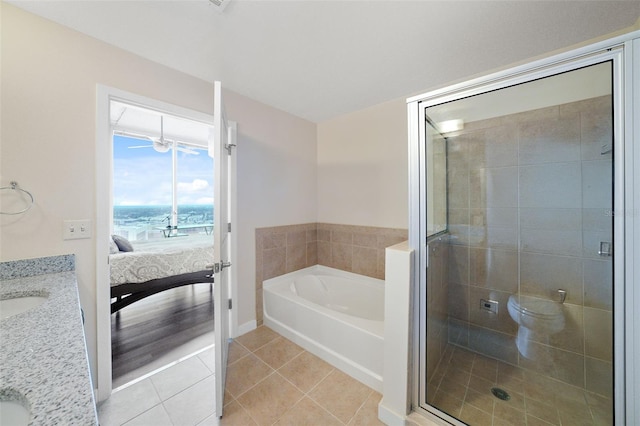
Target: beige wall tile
296,257
342,256
551,185
502,321
571,338
599,376
543,275
596,184
458,298
365,261
296,237
324,253
598,328
342,237
494,269
365,239
274,262
459,264
562,242
550,141
563,205
274,240
494,147
312,234
312,254
380,272
493,187
458,188
259,307
596,128
324,235
598,284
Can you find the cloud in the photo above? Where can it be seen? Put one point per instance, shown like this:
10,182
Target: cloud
196,185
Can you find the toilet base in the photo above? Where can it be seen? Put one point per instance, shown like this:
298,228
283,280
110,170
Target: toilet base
526,342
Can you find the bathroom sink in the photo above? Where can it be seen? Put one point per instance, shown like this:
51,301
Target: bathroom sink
17,305
13,413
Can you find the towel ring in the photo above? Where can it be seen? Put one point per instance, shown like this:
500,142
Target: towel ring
14,187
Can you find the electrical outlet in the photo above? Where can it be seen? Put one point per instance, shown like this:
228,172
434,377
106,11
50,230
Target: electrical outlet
76,229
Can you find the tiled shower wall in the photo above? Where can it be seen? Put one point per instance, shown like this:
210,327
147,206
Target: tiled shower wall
529,203
358,249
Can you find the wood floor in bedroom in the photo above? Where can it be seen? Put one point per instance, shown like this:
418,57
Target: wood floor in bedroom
160,329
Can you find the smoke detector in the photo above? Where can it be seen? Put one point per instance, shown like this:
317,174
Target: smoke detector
220,4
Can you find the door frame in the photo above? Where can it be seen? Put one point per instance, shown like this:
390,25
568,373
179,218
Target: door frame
104,206
625,53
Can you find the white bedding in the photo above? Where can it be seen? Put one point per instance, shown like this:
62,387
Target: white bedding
160,259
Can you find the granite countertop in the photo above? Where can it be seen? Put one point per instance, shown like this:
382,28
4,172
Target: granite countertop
43,356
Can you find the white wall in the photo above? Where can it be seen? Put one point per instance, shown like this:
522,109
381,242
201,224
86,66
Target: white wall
47,144
363,167
276,181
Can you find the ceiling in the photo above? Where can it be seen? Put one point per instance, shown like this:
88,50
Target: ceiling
322,59
132,121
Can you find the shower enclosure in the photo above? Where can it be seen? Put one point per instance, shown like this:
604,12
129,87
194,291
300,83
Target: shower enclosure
519,281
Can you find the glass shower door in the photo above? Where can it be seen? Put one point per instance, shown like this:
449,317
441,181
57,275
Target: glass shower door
519,284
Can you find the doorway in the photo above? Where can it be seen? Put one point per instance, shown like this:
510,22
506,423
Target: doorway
154,136
522,263
163,209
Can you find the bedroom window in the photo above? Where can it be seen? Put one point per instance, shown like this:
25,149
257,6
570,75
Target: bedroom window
162,175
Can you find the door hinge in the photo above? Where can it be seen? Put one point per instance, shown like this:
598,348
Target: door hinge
228,147
229,227
230,304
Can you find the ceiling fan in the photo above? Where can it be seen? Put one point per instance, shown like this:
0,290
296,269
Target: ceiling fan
163,145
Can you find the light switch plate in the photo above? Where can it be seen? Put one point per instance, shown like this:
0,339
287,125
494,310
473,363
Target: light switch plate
76,229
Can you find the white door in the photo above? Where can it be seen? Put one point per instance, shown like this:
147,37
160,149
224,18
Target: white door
223,139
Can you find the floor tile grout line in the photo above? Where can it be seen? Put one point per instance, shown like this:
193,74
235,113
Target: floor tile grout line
288,410
371,391
237,398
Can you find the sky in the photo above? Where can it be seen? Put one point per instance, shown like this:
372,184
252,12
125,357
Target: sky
142,176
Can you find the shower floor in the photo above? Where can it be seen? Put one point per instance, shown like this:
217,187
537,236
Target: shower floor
461,386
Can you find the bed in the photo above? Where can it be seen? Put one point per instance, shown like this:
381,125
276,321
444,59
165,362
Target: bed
150,267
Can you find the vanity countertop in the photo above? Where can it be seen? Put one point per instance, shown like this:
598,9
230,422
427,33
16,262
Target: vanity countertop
43,355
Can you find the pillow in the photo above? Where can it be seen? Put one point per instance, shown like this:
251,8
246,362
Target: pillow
113,247
122,243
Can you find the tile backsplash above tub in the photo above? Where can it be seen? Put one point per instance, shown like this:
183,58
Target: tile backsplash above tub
358,249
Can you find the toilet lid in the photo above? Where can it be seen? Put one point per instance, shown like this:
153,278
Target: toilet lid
535,306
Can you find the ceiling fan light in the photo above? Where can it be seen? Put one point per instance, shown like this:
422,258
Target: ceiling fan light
160,146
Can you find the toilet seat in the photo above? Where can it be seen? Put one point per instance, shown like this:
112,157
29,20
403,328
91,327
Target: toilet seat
535,307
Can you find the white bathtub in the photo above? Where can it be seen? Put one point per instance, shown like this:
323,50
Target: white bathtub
336,315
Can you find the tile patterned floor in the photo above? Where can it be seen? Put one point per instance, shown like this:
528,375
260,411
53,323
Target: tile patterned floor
270,381
461,386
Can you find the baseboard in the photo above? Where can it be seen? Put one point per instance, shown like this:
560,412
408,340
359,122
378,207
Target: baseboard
247,327
389,417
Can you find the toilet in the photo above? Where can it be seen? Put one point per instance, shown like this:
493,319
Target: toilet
537,320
